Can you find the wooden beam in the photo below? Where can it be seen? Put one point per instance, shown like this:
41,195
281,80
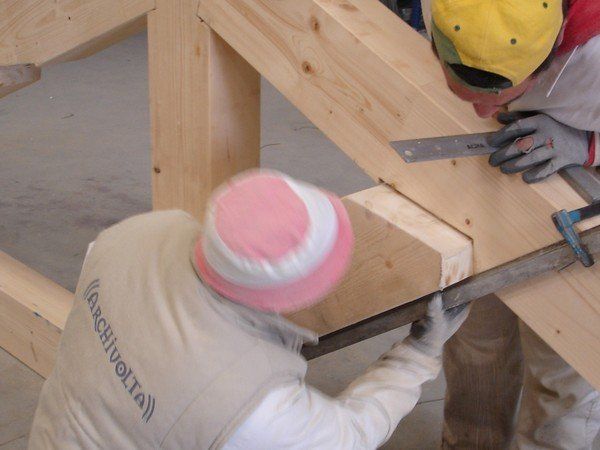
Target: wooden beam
563,308
104,41
402,253
13,78
33,312
365,78
205,108
539,263
41,31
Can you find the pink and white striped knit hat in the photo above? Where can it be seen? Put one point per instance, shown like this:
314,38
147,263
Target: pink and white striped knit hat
273,243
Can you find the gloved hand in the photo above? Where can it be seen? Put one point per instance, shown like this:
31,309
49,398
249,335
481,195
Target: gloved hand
429,334
538,145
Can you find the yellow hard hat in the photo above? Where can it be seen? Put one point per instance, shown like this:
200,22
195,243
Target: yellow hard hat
511,38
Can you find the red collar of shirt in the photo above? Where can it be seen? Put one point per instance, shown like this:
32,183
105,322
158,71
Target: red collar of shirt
582,24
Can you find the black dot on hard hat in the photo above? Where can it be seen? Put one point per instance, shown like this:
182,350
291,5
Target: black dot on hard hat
456,27
513,41
545,5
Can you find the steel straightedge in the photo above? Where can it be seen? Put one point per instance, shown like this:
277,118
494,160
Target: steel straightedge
586,182
554,257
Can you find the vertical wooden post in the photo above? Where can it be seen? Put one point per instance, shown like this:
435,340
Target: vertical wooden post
205,108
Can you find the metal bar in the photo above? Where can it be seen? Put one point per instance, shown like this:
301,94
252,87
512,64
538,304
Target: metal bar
586,182
444,147
554,257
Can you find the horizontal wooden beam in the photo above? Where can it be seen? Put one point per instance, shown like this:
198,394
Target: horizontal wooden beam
33,312
364,78
103,41
402,253
42,31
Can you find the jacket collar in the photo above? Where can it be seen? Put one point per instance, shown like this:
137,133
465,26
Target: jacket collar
271,327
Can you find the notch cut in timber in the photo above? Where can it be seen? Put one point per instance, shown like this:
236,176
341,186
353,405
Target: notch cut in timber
402,253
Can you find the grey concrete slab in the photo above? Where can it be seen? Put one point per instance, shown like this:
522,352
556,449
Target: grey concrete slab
420,430
17,444
75,152
19,390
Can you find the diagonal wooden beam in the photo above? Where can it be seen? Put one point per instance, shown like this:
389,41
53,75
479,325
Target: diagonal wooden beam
42,31
365,78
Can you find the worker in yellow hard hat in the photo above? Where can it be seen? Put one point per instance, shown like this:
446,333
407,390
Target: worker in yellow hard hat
512,53
535,66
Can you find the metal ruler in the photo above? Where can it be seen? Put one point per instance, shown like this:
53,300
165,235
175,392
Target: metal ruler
586,182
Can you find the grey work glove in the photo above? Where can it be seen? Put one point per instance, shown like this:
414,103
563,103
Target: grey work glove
539,146
429,334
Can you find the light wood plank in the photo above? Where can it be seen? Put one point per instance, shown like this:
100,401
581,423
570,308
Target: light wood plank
33,312
564,310
205,108
41,31
401,253
364,78
104,41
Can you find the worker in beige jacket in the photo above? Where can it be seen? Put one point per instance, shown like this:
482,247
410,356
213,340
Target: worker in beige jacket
175,340
541,57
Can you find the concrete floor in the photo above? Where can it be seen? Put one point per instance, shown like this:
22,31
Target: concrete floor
75,152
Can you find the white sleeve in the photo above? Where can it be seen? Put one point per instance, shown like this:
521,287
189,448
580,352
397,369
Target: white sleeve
296,416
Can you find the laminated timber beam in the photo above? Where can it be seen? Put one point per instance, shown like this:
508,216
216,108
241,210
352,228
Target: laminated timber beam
33,312
529,285
401,253
364,78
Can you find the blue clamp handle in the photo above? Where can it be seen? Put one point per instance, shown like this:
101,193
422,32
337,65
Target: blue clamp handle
565,222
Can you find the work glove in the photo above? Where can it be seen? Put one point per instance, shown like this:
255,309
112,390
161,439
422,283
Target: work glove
429,334
537,145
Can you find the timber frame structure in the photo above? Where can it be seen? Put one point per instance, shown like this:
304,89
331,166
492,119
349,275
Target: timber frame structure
361,76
